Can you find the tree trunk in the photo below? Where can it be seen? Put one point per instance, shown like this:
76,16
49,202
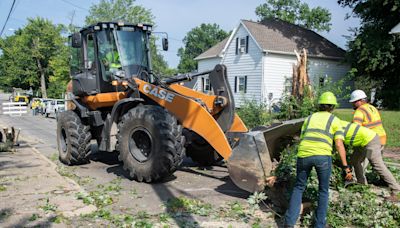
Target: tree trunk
300,76
35,43
42,79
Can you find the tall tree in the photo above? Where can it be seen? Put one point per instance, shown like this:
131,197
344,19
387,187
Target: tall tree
59,66
26,55
374,54
296,12
196,41
119,10
127,11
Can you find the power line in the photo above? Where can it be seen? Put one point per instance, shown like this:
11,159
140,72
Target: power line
16,5
72,4
8,17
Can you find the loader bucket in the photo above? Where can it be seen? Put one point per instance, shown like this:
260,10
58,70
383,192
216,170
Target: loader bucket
251,160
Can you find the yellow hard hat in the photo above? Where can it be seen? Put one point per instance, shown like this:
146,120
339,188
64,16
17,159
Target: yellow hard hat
327,98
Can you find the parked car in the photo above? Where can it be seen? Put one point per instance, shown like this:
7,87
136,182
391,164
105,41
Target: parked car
54,106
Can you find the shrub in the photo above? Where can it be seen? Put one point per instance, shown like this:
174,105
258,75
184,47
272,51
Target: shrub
355,206
294,107
253,113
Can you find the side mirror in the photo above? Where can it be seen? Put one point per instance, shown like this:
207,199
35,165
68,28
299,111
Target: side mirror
76,40
165,44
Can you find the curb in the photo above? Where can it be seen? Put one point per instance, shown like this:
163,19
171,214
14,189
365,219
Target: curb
87,209
54,166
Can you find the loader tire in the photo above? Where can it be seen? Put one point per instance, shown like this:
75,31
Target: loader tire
201,152
150,143
73,139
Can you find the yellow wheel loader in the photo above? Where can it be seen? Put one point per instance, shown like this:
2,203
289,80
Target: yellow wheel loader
116,99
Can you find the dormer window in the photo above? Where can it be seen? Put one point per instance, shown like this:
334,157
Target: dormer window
242,45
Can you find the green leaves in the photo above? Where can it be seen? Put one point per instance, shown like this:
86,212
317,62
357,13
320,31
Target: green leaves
373,52
255,199
355,206
48,207
119,10
295,12
29,52
197,41
253,113
186,205
360,206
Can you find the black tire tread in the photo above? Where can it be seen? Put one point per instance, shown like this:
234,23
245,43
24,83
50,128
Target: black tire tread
203,154
79,138
171,139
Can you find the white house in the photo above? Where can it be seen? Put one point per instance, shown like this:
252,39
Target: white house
259,57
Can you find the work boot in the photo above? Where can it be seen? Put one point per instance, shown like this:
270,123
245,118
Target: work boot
394,197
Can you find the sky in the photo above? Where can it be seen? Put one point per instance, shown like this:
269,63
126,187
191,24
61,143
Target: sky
176,17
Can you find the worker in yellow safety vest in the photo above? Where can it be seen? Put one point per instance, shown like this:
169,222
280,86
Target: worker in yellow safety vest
318,134
112,60
369,147
35,107
367,115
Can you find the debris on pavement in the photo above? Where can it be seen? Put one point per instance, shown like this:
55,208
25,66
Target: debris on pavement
33,193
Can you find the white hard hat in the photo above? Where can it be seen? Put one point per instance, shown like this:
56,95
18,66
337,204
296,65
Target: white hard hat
357,95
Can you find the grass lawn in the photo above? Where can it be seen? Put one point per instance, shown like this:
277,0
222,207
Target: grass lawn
391,123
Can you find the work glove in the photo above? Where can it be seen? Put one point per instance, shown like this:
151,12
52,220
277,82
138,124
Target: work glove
347,173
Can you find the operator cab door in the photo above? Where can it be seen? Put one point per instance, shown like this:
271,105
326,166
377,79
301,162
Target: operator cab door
85,82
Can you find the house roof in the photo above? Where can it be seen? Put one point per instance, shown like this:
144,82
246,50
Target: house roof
274,35
395,29
214,51
281,36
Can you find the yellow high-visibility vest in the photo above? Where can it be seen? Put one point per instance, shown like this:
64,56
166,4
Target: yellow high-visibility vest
368,116
317,134
35,104
356,135
113,59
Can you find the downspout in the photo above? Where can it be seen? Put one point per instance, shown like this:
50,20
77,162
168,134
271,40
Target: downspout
263,92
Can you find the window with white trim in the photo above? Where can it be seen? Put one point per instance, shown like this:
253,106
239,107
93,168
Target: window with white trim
240,84
242,45
206,85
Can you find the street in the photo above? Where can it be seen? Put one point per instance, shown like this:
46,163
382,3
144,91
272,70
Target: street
211,185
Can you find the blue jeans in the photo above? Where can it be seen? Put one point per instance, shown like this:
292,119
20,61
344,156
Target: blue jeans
323,166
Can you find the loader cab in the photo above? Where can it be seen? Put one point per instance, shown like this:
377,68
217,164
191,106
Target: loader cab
106,52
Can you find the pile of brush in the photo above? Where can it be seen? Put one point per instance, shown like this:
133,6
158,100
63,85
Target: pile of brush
8,139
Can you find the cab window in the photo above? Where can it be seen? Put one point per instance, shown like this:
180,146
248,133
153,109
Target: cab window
75,61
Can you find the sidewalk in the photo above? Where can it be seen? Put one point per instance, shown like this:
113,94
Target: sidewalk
33,193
